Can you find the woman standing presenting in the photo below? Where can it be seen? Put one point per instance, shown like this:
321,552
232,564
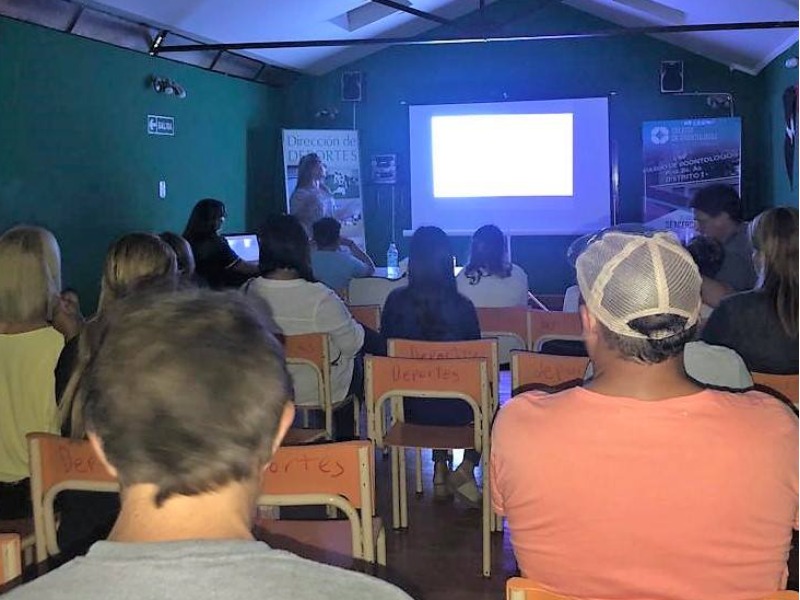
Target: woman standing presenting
311,199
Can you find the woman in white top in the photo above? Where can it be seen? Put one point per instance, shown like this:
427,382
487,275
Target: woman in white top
489,279
34,322
311,199
300,304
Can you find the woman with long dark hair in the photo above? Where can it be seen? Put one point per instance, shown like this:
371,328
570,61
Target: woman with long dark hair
490,279
300,304
761,325
431,308
215,261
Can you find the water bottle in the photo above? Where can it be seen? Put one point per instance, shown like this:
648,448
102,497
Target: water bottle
392,262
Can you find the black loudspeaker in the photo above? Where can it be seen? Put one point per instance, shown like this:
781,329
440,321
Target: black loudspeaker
352,83
671,76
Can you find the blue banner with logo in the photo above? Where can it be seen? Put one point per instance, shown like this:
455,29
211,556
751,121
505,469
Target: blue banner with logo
681,156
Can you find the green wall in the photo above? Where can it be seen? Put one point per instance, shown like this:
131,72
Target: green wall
75,155
775,187
627,66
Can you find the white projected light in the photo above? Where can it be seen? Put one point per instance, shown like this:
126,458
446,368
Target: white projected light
495,155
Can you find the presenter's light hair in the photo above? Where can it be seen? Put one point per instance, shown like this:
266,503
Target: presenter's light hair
30,274
204,220
306,169
774,234
718,198
190,412
135,262
487,255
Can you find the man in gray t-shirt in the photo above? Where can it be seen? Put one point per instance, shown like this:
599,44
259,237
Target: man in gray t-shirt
718,212
188,425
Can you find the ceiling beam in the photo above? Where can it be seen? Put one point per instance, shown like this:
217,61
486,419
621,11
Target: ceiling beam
413,11
411,41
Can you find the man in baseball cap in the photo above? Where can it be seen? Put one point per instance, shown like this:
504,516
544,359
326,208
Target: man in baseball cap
641,483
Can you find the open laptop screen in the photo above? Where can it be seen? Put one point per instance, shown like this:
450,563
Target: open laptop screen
245,245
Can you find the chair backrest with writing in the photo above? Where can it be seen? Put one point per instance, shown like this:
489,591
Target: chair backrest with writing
510,321
552,324
545,371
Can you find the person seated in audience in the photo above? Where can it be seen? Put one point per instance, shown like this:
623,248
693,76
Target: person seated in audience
718,212
336,260
300,304
489,279
215,261
183,253
641,483
186,401
35,321
430,308
761,325
708,254
135,263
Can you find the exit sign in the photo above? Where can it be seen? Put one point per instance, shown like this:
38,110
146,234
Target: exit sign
158,125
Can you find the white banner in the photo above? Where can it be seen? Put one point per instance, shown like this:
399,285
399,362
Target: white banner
338,150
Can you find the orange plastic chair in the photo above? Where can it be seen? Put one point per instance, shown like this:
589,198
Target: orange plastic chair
390,379
484,348
311,350
783,386
340,475
545,371
59,464
548,326
519,588
368,315
511,324
296,436
10,553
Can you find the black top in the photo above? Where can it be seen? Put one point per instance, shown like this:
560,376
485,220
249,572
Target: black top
747,322
456,321
214,258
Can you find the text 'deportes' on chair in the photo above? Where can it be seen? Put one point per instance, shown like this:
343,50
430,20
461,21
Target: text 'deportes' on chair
59,464
390,379
550,326
511,327
368,315
784,387
339,475
484,348
547,372
311,351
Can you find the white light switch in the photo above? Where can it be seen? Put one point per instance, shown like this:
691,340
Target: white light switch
162,189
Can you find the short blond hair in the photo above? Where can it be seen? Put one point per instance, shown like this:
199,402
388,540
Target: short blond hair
30,263
134,261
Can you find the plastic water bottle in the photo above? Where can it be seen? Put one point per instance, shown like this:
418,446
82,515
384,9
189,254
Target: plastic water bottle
392,262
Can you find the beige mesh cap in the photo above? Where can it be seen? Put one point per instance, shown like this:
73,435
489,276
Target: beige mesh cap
624,276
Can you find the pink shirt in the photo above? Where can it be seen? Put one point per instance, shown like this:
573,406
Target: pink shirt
621,499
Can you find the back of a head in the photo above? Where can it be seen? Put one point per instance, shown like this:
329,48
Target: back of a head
487,254
182,249
645,292
326,232
430,261
708,253
190,412
204,218
283,244
774,234
718,198
134,262
30,263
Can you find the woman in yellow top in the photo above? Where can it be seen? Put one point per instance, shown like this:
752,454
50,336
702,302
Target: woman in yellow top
34,322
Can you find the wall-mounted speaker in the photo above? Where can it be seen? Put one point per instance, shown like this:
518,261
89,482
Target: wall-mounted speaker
352,86
671,76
